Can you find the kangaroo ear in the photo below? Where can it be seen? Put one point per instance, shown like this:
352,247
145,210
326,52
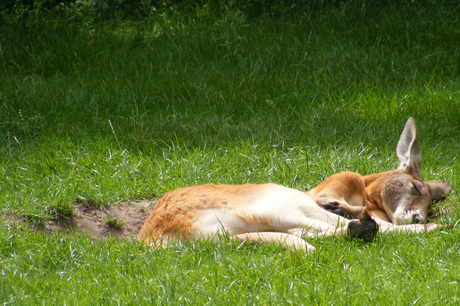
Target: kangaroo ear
438,189
408,149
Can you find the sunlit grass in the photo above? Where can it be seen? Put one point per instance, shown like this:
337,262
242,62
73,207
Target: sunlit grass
399,268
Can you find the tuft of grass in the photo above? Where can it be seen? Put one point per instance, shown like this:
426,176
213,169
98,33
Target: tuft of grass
60,210
114,222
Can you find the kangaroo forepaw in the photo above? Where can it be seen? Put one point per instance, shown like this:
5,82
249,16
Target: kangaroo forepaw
336,208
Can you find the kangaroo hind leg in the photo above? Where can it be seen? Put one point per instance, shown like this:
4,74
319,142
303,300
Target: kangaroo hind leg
285,240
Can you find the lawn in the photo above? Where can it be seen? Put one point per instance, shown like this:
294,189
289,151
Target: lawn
118,110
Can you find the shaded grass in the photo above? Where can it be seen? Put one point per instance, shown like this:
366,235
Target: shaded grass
269,81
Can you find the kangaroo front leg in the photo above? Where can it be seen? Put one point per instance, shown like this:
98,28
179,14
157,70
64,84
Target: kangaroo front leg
287,241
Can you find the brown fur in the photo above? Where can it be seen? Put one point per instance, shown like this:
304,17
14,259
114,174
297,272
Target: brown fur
399,196
345,189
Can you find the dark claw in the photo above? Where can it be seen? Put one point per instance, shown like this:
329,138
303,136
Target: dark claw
334,207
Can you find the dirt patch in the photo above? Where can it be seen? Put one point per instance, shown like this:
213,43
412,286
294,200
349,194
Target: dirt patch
122,221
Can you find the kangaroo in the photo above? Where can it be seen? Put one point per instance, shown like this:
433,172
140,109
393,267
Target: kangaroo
265,213
399,196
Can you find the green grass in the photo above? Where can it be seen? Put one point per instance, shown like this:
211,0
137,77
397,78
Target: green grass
104,114
392,270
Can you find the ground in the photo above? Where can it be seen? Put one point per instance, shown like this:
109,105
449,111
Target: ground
122,221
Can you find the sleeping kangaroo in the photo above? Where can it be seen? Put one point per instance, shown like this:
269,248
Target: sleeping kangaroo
399,196
265,213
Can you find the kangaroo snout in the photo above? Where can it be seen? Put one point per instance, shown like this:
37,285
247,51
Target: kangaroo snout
410,217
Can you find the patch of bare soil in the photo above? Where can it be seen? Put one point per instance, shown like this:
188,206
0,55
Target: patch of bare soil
122,221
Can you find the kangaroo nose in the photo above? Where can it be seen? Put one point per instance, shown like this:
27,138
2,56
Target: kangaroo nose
417,219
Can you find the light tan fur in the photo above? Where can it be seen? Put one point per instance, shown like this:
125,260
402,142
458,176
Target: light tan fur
399,196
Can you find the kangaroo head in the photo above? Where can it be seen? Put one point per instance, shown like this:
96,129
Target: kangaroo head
402,193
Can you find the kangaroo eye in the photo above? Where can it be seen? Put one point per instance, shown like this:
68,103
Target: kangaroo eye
415,187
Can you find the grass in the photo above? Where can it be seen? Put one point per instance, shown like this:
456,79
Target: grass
392,270
114,223
100,115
